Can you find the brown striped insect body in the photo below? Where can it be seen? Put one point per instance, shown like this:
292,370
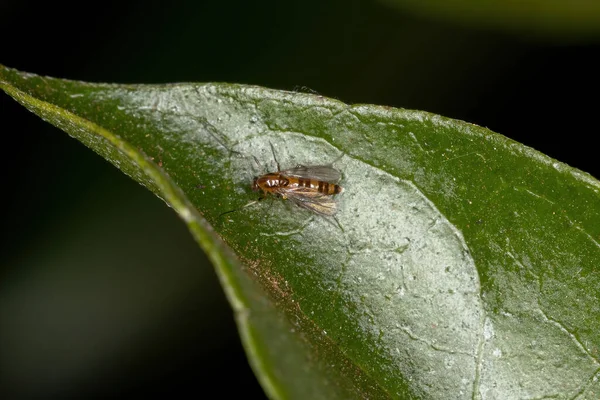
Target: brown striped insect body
274,182
310,187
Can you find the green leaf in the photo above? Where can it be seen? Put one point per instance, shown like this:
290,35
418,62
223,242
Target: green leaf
460,264
557,19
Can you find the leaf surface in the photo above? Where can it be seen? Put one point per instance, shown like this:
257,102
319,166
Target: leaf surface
461,264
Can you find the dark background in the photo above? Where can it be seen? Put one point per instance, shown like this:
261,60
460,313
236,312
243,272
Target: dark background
102,290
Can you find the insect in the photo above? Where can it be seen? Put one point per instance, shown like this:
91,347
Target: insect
310,187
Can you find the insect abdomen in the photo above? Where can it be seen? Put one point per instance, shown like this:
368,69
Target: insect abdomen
320,186
329,188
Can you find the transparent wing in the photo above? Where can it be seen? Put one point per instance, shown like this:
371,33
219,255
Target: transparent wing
311,199
324,173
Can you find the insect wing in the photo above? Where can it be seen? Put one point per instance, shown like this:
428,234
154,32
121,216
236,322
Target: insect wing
311,199
324,173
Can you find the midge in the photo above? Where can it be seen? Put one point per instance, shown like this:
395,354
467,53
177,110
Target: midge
310,187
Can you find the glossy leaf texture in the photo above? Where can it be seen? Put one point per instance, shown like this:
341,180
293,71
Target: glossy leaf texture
460,264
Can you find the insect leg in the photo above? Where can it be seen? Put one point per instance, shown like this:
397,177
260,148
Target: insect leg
338,223
274,157
260,167
266,215
337,159
242,207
